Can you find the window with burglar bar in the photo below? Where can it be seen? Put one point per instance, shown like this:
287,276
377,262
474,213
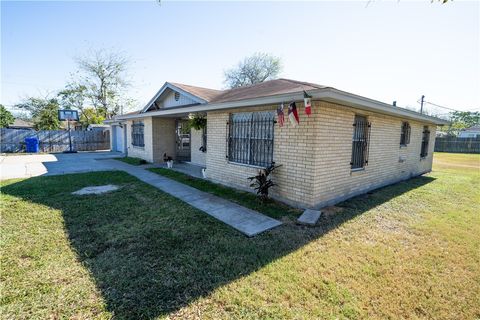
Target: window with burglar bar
425,141
250,138
360,142
405,135
137,134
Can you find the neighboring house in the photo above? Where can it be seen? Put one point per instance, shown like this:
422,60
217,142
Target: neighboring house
347,146
98,127
21,124
472,132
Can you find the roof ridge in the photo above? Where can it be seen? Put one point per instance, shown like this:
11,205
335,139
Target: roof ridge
318,86
189,85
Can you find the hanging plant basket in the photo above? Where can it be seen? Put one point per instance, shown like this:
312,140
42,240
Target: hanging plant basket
197,122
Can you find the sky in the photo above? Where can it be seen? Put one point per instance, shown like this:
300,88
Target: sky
383,50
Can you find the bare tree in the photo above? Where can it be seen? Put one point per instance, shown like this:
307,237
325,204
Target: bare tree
101,82
256,68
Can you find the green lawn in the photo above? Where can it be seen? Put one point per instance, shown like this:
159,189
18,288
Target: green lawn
411,250
132,160
270,208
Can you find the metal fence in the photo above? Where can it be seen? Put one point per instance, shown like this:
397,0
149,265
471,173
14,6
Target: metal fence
458,145
13,140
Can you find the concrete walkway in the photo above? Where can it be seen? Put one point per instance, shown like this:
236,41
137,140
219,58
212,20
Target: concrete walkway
247,221
32,165
186,168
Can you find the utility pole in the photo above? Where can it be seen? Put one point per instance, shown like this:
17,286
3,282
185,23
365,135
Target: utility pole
421,104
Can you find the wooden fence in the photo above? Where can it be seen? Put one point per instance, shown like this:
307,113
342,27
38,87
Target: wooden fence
459,145
13,140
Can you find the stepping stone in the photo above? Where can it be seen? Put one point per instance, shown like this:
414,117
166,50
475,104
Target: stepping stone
309,217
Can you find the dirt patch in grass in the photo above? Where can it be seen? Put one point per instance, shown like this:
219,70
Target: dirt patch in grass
95,190
331,210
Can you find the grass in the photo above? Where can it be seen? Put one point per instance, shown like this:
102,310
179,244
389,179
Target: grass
410,250
271,208
132,160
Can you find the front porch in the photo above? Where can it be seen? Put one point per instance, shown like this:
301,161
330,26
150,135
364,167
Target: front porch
158,139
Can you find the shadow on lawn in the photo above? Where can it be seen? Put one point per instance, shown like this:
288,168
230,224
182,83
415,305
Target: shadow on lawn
151,254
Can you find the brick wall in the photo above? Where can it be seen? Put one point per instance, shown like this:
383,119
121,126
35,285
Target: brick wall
159,138
164,140
145,152
315,156
335,181
291,150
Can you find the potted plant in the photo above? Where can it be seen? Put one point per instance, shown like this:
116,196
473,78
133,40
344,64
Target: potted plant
197,122
168,160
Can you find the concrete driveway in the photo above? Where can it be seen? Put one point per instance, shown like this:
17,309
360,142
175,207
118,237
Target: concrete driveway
25,166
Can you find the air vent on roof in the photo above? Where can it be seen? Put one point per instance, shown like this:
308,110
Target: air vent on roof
177,96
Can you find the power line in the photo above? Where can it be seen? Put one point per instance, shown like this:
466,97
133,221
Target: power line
440,106
437,105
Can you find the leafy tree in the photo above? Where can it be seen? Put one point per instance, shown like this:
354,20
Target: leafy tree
44,112
254,69
91,116
462,120
48,118
469,118
6,117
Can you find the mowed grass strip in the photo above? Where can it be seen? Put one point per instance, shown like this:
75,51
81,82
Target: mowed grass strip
132,160
410,250
272,208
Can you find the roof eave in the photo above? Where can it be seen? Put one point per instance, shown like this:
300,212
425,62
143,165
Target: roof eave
327,94
363,103
113,121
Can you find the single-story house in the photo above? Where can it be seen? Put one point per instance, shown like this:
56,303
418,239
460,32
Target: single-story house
346,146
472,132
98,127
21,124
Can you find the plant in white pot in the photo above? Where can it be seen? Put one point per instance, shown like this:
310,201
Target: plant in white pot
168,160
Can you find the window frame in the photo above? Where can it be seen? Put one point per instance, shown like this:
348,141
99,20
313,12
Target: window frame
405,133
138,134
425,142
250,138
360,143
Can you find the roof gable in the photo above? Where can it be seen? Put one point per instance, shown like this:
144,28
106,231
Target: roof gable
174,95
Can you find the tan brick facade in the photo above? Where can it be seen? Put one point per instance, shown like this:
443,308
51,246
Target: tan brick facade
145,152
315,156
159,138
